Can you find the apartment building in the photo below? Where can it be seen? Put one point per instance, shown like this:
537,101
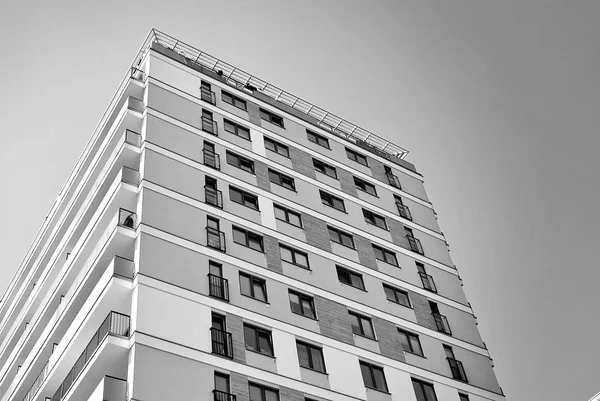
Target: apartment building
221,239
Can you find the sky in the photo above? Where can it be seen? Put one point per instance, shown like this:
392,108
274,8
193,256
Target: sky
498,103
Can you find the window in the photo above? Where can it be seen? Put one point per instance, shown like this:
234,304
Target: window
248,239
324,168
361,325
271,117
302,304
282,179
277,147
410,342
294,256
357,157
233,100
385,255
341,237
222,384
258,340
365,186
396,295
262,393
373,376
463,397
374,219
287,215
318,139
253,287
240,162
236,129
350,278
332,201
243,198
424,391
310,356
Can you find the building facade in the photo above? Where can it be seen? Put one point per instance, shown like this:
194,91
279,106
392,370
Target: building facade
220,239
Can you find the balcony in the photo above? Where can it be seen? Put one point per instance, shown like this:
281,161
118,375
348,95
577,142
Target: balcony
393,180
207,95
130,176
222,343
223,396
415,245
137,74
127,218
457,369
218,287
135,104
404,211
215,239
209,125
110,389
114,324
211,159
428,282
441,323
213,196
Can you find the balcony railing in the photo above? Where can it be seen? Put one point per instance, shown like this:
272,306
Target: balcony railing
37,383
209,125
457,369
114,324
393,180
223,396
441,323
415,244
218,287
127,218
211,159
404,211
428,282
215,239
137,74
207,95
221,343
213,196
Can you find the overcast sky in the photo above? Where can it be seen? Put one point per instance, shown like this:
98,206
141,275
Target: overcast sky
498,103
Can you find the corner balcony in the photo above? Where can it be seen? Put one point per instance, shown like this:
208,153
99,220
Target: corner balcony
110,389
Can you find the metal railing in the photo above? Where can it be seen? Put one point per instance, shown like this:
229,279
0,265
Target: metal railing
222,343
211,159
393,180
37,383
114,324
138,74
209,125
218,287
441,323
127,218
404,211
457,369
223,396
215,239
428,282
415,245
213,196
207,95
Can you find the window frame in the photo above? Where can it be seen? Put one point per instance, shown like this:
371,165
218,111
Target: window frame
237,128
362,318
251,205
287,212
254,280
395,291
270,116
233,100
371,367
256,331
276,146
309,348
409,335
463,397
281,177
359,183
323,168
303,297
356,157
293,252
350,273
263,389
317,137
239,159
424,384
373,220
248,234
385,252
331,203
339,234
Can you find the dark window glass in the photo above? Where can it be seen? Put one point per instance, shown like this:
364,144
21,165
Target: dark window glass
236,129
310,356
396,295
233,100
243,198
365,186
424,391
277,147
410,342
361,325
287,215
302,304
294,256
281,179
318,139
350,278
385,255
374,219
357,157
271,117
373,376
258,392
248,239
253,287
463,397
258,340
332,201
341,237
325,168
240,162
